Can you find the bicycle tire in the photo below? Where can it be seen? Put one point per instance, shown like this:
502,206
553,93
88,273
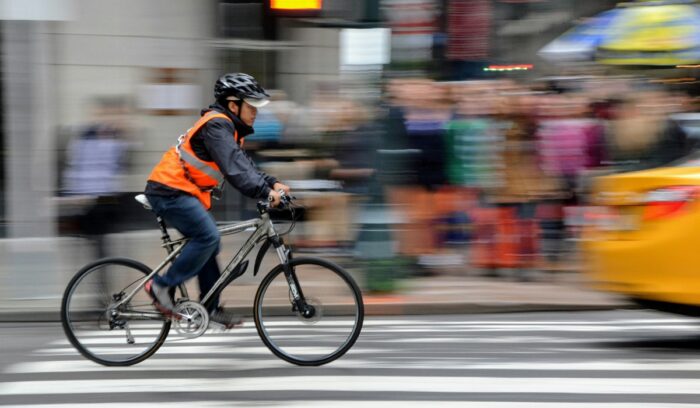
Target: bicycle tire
69,324
265,332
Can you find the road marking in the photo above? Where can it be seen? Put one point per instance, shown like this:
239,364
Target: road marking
369,403
469,320
437,326
413,384
314,336
241,352
222,349
236,341
153,364
241,364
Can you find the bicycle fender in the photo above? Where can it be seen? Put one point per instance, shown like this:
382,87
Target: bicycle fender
261,254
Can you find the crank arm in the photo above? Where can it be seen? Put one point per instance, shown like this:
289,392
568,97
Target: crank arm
129,336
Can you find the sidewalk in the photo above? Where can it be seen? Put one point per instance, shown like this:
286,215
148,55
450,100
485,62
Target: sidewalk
34,274
455,295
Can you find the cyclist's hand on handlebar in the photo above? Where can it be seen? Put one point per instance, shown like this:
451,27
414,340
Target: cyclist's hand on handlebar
274,198
280,186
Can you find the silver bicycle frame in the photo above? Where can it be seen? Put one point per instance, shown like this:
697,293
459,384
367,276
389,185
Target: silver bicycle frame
264,228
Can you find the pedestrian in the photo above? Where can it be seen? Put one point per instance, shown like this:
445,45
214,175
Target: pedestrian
641,136
95,166
523,185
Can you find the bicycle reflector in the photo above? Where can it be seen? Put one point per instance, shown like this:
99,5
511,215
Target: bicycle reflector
668,201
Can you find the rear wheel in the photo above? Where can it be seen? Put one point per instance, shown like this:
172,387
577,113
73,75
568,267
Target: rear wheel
105,335
330,322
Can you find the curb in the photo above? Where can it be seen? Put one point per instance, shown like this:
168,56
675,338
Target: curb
414,309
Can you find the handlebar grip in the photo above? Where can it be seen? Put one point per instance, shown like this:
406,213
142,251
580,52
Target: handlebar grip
285,200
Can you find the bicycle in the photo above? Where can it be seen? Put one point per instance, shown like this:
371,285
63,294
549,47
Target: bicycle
109,319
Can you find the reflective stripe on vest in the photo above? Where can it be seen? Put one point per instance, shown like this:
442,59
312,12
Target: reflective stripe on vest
200,165
192,160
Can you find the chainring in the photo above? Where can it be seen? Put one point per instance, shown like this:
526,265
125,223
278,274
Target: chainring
190,319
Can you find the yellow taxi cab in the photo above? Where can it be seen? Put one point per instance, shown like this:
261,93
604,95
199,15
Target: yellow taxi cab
644,236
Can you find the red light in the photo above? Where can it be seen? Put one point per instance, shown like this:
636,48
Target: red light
667,202
295,4
655,211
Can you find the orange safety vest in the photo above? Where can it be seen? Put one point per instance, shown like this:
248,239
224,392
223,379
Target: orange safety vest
180,168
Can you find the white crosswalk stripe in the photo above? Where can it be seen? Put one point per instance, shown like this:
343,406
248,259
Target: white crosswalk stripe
377,404
393,384
450,361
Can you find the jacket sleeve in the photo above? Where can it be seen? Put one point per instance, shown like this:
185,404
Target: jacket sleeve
236,166
270,180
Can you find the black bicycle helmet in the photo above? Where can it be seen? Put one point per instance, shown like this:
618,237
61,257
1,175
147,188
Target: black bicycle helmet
240,86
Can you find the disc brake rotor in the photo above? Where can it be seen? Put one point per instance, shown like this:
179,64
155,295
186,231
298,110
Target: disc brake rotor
191,319
318,311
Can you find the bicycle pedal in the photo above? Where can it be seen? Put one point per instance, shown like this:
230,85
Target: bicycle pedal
220,328
217,327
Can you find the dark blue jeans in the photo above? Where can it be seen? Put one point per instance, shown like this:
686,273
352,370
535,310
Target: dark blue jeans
188,215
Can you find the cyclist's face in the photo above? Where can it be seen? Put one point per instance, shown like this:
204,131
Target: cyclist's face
248,114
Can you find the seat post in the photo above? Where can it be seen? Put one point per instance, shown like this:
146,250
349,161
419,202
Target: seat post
164,236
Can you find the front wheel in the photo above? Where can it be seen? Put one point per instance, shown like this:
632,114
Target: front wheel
328,325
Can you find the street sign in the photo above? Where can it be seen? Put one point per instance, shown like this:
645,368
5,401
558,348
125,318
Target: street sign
37,10
365,46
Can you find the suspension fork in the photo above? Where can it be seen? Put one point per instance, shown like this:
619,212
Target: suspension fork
297,293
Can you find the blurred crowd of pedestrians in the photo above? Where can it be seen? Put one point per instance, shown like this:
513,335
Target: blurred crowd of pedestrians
490,175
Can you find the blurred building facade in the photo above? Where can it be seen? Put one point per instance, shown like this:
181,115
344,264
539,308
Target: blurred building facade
165,54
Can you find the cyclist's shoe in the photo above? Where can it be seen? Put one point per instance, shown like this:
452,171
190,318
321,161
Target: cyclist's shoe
226,318
161,297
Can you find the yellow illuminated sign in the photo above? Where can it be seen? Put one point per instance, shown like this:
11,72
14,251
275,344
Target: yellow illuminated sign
508,68
295,4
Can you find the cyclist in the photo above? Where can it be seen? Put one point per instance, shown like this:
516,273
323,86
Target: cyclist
181,186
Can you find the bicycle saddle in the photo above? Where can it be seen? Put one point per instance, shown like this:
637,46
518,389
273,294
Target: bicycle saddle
141,198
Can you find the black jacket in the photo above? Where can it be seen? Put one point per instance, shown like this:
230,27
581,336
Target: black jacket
214,142
672,144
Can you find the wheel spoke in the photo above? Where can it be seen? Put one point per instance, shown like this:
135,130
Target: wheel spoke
91,324
302,336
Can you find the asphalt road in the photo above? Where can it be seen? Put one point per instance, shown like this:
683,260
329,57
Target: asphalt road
577,359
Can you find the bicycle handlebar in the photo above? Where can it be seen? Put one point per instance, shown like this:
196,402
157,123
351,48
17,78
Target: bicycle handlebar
285,202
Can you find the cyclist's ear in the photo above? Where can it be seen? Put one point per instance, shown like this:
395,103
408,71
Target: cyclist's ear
233,107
